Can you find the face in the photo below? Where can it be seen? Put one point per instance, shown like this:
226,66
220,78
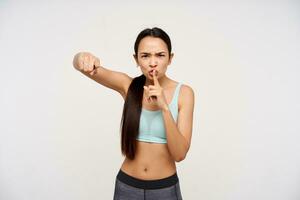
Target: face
153,54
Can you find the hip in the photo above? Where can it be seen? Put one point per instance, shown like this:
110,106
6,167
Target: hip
129,187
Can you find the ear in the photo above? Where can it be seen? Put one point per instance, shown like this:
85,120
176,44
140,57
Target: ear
171,57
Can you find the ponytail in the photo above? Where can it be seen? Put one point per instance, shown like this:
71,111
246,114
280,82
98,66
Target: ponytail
131,116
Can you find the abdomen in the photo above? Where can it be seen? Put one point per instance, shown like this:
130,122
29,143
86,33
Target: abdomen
152,161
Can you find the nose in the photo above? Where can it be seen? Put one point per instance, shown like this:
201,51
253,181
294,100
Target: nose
153,62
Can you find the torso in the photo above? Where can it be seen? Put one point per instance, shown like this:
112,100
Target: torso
152,160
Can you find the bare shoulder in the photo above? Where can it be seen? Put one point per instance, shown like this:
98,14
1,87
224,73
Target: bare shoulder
186,96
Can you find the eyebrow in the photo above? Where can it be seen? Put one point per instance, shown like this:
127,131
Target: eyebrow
156,53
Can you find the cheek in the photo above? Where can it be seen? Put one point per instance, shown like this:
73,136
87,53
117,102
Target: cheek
164,64
142,63
143,69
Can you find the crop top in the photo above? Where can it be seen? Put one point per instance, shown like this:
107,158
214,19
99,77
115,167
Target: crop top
152,128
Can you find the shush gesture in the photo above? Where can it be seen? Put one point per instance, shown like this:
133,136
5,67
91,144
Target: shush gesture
145,136
154,93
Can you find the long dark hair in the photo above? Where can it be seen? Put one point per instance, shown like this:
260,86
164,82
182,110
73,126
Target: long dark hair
133,102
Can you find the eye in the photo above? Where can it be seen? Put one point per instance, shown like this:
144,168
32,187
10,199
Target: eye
143,56
161,55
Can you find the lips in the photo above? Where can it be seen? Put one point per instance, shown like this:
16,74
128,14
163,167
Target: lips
151,72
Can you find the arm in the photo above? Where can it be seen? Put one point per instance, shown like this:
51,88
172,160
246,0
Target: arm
90,66
179,136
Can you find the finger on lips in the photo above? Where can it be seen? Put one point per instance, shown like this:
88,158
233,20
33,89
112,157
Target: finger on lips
155,80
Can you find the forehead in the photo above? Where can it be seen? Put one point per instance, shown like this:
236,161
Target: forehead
152,44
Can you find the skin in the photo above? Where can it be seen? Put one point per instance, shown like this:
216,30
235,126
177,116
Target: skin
153,59
152,160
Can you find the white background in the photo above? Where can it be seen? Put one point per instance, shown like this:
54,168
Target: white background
59,133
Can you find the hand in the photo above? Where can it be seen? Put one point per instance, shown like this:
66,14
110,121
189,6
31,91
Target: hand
154,93
86,62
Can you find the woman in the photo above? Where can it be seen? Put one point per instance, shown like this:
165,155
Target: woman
157,119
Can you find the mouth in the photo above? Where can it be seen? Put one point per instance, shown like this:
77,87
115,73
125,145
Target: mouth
151,73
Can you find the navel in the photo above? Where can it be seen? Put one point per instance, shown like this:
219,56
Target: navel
145,169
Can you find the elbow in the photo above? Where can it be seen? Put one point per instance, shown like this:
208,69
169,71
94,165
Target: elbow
179,158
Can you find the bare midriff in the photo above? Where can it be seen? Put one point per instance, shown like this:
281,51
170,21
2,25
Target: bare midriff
152,161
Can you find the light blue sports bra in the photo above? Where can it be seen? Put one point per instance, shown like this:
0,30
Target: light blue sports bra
152,128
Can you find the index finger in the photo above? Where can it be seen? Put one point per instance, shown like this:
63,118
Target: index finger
155,80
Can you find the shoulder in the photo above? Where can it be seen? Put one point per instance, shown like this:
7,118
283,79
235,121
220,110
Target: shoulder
186,96
186,90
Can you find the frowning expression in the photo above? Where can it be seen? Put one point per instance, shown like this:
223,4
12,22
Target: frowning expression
153,54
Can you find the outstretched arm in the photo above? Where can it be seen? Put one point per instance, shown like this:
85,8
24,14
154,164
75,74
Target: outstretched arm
89,65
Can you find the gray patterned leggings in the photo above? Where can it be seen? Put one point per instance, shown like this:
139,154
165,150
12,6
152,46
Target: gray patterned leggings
131,188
